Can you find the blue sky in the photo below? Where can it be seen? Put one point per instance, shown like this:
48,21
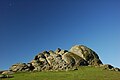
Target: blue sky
28,27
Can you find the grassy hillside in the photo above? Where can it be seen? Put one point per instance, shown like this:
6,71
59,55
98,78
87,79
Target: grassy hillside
84,73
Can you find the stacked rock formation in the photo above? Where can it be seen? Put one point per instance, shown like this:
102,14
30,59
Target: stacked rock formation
78,55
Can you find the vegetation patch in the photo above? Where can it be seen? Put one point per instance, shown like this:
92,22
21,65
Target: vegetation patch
83,73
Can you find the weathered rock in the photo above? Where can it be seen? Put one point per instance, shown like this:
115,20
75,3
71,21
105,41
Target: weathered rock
62,52
19,67
87,54
68,59
2,71
78,61
78,55
107,66
7,72
116,69
57,50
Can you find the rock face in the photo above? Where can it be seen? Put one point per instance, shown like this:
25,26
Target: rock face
87,54
19,67
78,55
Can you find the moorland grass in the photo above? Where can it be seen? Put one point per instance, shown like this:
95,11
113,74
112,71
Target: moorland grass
84,73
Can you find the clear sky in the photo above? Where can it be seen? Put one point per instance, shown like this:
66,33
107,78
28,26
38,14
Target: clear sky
28,27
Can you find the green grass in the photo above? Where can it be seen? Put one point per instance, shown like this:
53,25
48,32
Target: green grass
84,73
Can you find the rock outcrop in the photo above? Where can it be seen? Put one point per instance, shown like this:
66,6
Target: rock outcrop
78,55
87,54
109,67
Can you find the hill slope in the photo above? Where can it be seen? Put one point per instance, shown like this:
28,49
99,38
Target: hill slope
78,63
84,73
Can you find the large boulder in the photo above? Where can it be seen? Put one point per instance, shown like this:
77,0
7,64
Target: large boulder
87,54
